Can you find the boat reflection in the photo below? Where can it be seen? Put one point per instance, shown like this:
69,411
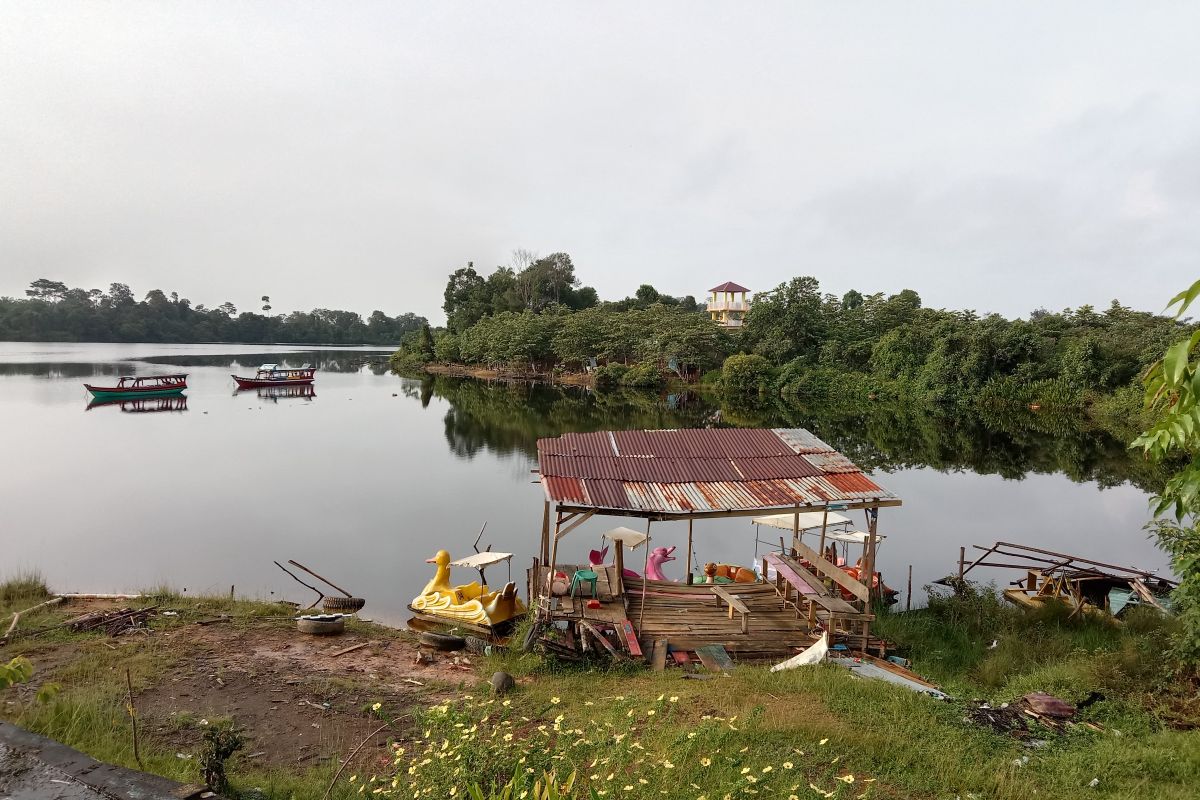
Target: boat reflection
144,405
276,393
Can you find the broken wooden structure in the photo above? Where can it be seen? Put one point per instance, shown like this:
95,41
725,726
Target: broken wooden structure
692,476
1083,584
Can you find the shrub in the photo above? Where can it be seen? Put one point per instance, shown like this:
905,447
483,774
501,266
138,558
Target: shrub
746,374
609,375
645,375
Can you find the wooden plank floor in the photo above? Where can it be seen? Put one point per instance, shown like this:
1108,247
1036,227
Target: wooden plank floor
688,617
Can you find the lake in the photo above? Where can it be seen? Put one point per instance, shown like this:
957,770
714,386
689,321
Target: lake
374,473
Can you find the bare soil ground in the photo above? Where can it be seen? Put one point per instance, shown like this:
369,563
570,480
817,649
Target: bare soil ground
294,700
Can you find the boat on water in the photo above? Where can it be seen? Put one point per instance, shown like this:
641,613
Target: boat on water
132,386
275,375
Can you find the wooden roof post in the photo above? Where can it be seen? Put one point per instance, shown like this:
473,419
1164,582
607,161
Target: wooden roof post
796,530
553,553
688,565
645,578
545,551
873,591
824,526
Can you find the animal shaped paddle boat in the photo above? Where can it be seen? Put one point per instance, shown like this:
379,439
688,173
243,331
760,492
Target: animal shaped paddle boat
471,602
722,573
654,563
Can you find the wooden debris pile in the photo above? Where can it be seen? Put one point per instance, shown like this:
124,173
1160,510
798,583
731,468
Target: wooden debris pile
1045,710
114,623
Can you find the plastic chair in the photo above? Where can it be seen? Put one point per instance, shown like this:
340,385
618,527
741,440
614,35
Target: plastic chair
583,576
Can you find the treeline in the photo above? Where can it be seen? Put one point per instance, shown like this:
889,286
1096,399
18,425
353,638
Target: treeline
811,345
539,319
51,312
796,342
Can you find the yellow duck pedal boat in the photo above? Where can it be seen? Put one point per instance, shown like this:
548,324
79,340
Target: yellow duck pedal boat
471,602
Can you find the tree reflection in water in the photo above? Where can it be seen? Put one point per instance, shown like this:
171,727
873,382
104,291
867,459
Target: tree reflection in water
509,417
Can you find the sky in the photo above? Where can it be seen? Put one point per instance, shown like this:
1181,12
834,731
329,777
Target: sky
999,156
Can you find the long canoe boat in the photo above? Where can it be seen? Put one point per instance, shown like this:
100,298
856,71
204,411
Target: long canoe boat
275,375
131,386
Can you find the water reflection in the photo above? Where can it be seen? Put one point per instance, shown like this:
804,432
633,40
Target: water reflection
324,360
66,369
510,417
276,393
144,405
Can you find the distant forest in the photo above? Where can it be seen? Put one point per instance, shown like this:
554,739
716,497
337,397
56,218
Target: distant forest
797,342
52,312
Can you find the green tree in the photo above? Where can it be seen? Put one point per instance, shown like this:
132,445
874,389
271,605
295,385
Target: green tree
1173,395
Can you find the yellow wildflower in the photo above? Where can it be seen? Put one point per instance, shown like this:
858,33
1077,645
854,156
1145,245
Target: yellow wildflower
823,741
787,765
705,762
377,706
555,700
846,778
768,768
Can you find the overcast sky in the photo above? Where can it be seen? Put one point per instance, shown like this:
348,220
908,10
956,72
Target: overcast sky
1000,157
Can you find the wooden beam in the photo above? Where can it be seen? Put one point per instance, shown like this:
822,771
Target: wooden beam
830,571
545,551
576,522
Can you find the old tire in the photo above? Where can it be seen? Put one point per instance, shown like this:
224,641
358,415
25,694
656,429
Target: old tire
446,642
320,625
343,605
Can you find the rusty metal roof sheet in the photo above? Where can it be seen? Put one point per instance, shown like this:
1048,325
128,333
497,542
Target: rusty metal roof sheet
696,471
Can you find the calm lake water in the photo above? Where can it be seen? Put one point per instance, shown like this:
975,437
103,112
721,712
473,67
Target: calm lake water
373,474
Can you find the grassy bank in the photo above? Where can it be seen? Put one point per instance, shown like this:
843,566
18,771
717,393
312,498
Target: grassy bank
628,732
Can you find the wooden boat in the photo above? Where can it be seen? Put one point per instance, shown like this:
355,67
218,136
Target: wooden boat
130,386
275,375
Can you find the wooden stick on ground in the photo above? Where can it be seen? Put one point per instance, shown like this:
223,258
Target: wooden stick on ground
349,649
17,617
133,716
354,752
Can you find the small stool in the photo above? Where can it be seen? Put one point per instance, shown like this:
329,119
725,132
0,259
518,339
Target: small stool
583,576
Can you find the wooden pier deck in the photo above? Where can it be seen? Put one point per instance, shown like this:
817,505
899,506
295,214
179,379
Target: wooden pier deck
689,617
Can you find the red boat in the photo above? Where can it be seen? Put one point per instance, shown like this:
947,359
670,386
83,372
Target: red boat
275,375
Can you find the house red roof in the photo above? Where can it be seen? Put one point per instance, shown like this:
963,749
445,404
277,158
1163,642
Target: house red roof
701,471
729,286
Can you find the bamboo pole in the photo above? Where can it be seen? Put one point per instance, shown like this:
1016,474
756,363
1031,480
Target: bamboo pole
16,617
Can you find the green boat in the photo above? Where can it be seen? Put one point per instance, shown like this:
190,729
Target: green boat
132,386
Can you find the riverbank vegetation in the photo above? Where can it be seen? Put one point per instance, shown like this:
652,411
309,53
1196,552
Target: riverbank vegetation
52,312
621,731
797,343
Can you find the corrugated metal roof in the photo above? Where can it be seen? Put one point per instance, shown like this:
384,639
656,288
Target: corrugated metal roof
699,470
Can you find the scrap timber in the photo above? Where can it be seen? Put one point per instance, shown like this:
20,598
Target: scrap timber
1081,583
691,476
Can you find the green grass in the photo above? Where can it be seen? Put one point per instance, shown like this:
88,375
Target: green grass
22,590
663,736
